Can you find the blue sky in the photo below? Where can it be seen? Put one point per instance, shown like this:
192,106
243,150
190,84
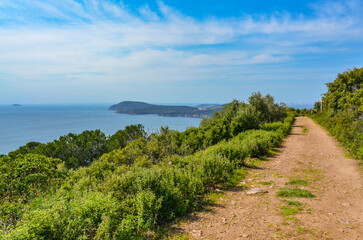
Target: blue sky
78,51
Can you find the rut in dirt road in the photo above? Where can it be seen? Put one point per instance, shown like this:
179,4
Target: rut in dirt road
310,161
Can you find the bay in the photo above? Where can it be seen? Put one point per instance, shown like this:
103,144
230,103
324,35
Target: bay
44,123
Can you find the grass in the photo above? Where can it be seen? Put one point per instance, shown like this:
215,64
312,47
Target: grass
179,237
267,183
314,171
236,177
292,208
214,197
294,192
252,162
301,230
286,210
290,218
294,203
297,182
305,130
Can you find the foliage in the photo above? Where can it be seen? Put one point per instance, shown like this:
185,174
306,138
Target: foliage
266,106
343,110
129,184
23,178
345,93
122,137
78,150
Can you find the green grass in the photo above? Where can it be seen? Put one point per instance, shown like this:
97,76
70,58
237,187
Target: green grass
236,177
290,218
214,197
297,182
305,130
301,230
294,192
286,211
314,171
267,183
180,237
294,203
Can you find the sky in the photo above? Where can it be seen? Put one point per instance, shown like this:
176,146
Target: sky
175,51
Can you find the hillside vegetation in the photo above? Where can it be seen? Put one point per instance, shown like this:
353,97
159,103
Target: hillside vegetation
125,186
343,110
140,108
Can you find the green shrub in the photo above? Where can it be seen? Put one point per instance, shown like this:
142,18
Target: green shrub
57,218
129,192
342,113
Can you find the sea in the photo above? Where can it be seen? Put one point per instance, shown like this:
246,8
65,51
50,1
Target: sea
45,123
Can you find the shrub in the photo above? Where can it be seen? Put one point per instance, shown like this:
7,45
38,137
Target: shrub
146,181
343,109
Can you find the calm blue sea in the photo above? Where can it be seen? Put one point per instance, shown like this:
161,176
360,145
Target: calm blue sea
44,123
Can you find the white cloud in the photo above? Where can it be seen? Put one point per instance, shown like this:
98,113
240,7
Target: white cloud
103,41
148,14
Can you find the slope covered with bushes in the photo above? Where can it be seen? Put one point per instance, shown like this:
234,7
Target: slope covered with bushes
140,181
343,110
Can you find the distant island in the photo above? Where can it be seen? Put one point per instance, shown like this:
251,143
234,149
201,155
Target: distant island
16,105
141,108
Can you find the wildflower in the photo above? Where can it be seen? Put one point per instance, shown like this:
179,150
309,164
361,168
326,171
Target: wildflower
169,163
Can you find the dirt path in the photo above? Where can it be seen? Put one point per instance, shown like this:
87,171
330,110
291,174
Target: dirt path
311,156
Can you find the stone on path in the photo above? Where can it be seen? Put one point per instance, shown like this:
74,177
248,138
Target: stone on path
256,190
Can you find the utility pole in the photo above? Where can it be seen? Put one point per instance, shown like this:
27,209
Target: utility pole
321,105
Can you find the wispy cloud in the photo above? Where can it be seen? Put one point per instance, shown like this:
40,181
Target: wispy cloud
52,40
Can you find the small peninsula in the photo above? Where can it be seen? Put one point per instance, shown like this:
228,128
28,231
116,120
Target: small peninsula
16,105
141,108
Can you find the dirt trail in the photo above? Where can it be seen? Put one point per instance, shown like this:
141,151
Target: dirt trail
312,156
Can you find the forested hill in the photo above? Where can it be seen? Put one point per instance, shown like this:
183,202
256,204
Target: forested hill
139,108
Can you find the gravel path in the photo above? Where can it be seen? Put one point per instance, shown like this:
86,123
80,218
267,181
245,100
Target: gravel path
316,160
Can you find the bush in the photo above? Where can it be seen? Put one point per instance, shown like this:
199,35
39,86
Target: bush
143,182
343,110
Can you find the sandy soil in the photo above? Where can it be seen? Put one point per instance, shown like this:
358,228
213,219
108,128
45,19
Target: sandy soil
313,156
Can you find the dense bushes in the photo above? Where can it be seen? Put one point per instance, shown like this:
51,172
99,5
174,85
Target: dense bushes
346,130
78,150
24,178
133,188
343,110
236,117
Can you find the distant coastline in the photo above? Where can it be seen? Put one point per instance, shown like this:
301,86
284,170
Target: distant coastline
16,105
142,108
